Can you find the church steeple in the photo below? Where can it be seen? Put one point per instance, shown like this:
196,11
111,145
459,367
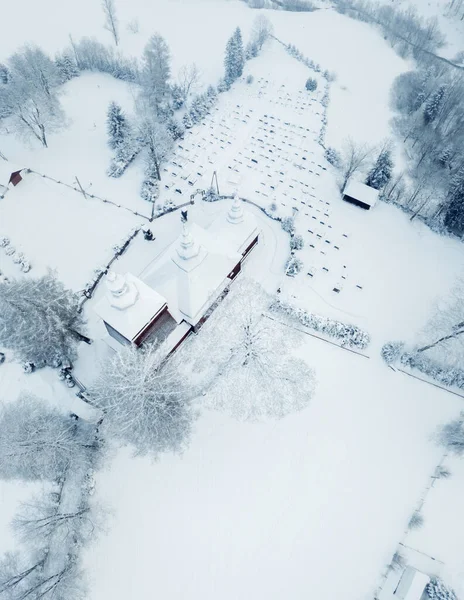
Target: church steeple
187,247
235,214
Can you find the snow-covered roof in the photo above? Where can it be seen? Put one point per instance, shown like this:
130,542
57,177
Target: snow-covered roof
412,584
6,169
237,229
362,192
129,304
192,272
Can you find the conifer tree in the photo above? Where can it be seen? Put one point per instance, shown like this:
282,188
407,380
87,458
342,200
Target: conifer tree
234,60
381,172
66,67
117,126
40,320
454,217
433,104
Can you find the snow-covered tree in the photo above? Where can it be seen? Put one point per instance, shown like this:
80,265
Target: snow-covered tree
43,517
21,579
437,590
175,128
434,104
111,19
261,30
381,172
234,60
38,441
333,157
158,140
246,360
118,128
189,80
454,216
144,400
156,71
34,69
39,320
150,186
311,84
34,113
4,74
354,158
66,67
293,266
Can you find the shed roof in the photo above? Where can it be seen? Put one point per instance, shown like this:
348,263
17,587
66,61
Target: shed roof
6,169
129,320
362,192
412,585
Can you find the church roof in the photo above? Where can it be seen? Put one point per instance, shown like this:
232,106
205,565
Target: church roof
129,304
192,280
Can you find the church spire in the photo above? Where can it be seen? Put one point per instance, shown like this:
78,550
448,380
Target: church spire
188,247
235,214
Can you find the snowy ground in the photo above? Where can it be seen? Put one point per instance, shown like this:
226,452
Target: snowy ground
56,227
271,510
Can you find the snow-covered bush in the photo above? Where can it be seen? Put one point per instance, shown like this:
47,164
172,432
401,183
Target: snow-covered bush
273,206
392,351
451,436
416,521
296,242
288,225
398,562
150,186
349,335
311,85
211,195
332,157
293,266
437,590
449,376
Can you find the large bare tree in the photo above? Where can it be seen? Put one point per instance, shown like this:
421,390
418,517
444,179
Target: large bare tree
144,399
355,156
246,359
111,19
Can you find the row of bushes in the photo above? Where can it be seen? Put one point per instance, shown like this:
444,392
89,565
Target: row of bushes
349,335
395,353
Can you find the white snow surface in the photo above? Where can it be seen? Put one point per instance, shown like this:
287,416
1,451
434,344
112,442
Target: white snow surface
269,510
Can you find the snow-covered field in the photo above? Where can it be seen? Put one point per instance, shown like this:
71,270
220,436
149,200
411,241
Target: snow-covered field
57,228
276,509
313,504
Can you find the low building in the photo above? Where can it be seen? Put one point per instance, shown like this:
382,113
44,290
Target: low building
181,287
361,194
10,174
412,585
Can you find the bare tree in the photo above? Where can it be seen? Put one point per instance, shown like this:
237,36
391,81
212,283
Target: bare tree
189,80
20,580
156,137
40,320
37,441
43,521
156,71
246,359
111,19
451,436
355,157
443,336
262,29
145,401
